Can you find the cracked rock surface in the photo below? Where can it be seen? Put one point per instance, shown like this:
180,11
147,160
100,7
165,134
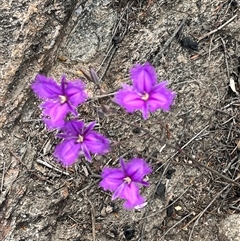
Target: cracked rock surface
41,200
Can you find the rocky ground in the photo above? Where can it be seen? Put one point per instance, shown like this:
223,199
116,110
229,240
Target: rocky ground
195,45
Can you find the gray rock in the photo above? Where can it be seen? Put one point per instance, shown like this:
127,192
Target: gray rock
29,32
229,228
92,24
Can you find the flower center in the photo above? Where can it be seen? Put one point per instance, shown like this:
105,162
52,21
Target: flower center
127,180
80,139
145,96
63,99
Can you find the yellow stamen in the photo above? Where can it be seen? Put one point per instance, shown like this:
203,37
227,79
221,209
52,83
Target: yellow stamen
145,96
63,99
80,139
127,180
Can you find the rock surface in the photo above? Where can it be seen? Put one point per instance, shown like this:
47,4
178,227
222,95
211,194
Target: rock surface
229,228
39,199
30,32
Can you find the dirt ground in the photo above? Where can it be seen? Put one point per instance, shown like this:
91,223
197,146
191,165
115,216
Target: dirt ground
195,193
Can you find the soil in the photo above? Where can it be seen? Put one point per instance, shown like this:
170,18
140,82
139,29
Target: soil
195,45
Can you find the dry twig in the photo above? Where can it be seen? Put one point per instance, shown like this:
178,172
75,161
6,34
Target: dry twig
220,111
88,186
193,138
2,177
51,167
217,29
93,220
169,40
113,49
226,62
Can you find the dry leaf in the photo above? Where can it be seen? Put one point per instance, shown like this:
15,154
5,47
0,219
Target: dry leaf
232,85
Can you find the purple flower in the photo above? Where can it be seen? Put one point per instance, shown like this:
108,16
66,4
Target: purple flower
79,139
58,99
124,182
145,94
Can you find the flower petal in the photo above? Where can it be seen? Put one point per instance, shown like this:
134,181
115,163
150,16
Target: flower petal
129,99
89,128
139,203
137,169
123,166
86,152
73,127
144,77
63,83
96,143
112,178
46,88
160,97
132,196
56,112
67,152
145,110
65,136
118,193
75,92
